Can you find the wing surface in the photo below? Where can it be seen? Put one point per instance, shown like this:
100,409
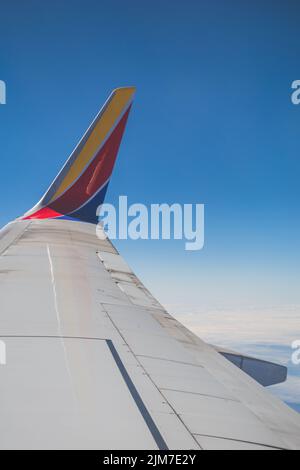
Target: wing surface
94,361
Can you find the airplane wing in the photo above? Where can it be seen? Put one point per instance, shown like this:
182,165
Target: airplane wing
264,372
92,360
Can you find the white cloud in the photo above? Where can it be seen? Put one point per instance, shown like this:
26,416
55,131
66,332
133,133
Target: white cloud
266,333
273,325
289,391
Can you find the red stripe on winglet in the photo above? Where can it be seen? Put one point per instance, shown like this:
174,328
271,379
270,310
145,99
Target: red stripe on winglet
45,213
95,175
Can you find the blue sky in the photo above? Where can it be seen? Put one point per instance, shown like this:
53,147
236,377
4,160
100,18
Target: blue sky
212,123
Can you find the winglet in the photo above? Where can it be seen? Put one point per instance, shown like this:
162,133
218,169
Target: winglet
81,185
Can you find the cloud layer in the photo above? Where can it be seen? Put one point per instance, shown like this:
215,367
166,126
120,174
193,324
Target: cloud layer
264,333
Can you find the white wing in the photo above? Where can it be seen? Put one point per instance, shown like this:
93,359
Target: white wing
93,360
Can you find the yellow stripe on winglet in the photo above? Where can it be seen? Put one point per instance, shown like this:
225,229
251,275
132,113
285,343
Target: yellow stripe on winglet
120,97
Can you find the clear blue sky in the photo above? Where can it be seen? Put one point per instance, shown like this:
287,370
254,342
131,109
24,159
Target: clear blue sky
212,123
